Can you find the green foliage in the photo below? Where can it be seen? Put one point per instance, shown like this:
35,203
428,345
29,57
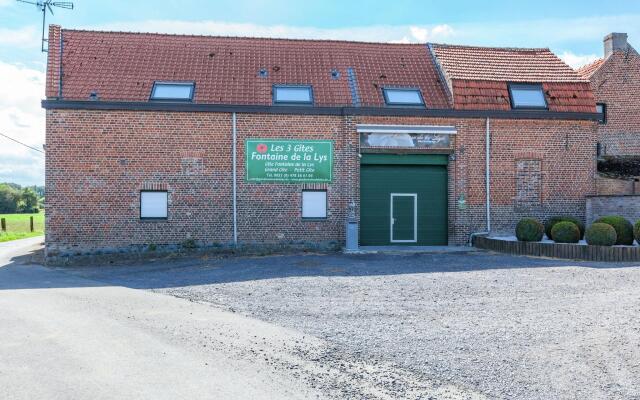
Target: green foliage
529,230
554,220
189,244
565,232
152,247
623,228
636,231
14,198
28,202
9,197
601,234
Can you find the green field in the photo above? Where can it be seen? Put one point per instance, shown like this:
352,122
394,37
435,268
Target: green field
18,226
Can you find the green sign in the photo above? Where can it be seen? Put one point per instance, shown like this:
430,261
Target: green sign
289,161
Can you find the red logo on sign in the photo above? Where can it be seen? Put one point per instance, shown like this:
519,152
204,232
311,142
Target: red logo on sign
262,148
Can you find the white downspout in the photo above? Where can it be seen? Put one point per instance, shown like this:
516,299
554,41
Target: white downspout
487,181
487,172
235,205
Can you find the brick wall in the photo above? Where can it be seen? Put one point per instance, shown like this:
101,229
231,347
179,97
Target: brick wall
557,157
615,186
625,206
98,161
617,84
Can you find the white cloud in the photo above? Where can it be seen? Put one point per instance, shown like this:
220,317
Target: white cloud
6,2
577,60
555,33
438,32
378,33
25,37
21,118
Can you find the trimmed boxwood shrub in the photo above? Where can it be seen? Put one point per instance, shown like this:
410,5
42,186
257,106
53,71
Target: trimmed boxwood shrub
623,228
601,234
554,220
529,230
636,231
565,232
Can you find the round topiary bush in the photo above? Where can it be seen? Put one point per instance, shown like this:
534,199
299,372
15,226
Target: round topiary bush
601,234
554,220
636,231
529,230
565,232
623,228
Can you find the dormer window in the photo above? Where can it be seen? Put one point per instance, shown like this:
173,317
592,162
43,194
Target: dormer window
292,95
172,91
408,97
527,96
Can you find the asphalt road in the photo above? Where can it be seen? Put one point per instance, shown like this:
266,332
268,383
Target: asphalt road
506,327
63,336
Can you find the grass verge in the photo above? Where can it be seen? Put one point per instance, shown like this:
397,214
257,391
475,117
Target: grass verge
18,226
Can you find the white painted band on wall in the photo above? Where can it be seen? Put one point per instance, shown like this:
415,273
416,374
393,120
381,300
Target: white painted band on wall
367,128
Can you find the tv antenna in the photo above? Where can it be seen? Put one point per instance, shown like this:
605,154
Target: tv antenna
44,6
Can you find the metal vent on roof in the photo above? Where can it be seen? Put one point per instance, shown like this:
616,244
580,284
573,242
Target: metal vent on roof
263,73
335,74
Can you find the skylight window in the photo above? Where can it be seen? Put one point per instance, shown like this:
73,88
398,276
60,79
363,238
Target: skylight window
176,91
527,96
403,97
290,94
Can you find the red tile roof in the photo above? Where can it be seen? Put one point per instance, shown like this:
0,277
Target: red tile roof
479,76
587,70
504,64
123,66
488,95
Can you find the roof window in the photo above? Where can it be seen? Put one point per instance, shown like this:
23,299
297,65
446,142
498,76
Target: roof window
176,91
292,94
527,96
402,97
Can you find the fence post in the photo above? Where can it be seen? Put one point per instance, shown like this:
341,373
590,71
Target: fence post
31,222
3,222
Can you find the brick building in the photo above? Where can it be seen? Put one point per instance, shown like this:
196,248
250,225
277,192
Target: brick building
615,81
161,139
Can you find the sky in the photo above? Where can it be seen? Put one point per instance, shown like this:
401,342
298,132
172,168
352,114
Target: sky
573,29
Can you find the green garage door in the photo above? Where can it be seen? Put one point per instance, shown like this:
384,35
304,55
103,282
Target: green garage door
403,200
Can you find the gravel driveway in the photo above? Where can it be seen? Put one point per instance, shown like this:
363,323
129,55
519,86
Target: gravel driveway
506,327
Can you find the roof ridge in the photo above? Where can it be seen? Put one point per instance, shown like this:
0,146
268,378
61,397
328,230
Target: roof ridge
587,70
591,64
492,47
190,35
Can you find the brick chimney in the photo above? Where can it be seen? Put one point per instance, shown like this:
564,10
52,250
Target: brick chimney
614,42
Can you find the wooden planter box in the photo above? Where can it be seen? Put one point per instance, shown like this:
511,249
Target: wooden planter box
560,250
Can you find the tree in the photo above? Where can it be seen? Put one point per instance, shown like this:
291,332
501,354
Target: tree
28,200
9,197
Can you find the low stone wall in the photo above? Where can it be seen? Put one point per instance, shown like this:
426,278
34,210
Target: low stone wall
132,254
625,206
560,250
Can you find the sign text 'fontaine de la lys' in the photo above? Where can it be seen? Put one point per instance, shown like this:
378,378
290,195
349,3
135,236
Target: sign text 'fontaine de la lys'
289,161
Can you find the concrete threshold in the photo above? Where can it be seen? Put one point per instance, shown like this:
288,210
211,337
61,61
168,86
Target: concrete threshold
411,249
